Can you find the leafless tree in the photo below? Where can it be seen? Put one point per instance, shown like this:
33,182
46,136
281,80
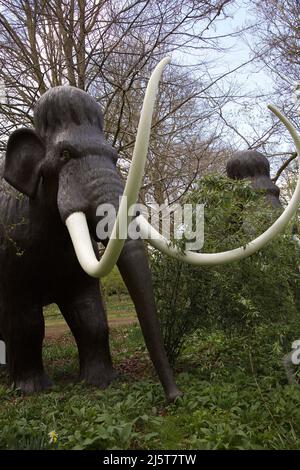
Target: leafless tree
108,48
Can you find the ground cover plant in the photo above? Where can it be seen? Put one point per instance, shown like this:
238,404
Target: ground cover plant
236,396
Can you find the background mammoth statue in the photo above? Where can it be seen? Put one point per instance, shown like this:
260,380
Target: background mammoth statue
62,166
254,166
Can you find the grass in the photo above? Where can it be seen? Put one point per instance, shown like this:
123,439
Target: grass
236,396
117,306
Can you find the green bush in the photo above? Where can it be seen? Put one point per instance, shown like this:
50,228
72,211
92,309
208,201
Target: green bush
113,284
239,296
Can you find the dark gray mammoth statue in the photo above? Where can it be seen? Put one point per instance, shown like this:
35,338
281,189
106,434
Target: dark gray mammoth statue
62,166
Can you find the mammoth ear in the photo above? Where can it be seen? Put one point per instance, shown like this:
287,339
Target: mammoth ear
24,155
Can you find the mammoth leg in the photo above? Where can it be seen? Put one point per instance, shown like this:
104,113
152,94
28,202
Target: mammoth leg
84,312
23,333
133,266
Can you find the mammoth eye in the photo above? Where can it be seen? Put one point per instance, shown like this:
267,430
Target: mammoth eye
65,154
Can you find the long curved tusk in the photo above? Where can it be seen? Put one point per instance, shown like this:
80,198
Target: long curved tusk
76,222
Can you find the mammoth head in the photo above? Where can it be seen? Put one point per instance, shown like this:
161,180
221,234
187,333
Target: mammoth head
68,125
254,166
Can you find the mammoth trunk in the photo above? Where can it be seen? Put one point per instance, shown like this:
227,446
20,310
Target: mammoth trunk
134,268
85,185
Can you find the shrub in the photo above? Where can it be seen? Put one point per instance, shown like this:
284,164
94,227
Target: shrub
113,284
241,295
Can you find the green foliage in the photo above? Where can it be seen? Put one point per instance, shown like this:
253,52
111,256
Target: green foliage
235,397
113,284
241,295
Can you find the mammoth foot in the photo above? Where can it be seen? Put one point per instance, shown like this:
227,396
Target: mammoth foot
172,395
34,384
98,377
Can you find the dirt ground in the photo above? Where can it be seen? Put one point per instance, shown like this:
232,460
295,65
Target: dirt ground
55,331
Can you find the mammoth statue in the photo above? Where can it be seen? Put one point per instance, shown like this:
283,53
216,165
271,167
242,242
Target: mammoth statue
54,177
64,166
